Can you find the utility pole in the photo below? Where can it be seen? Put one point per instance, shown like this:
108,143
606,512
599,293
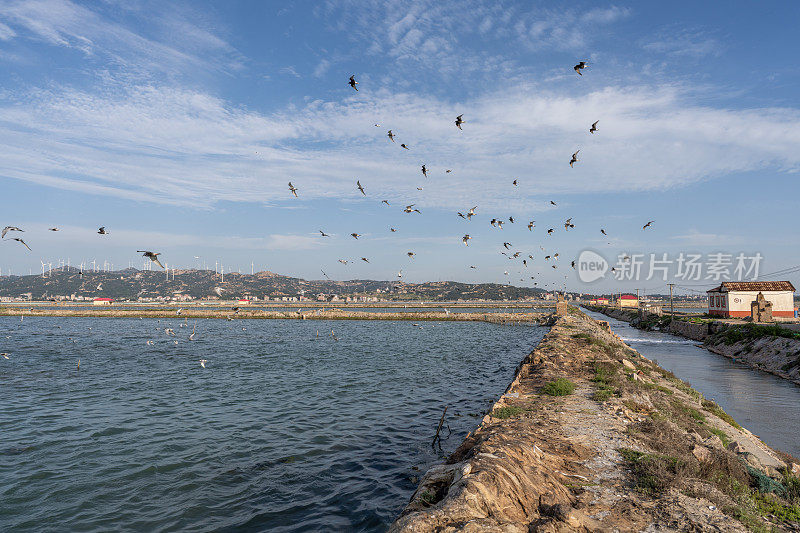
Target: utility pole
671,306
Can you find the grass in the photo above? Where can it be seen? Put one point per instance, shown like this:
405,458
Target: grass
507,412
722,436
559,387
716,410
603,393
428,497
750,332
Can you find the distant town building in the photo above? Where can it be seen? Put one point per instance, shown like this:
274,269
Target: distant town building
733,299
102,301
628,300
243,301
601,301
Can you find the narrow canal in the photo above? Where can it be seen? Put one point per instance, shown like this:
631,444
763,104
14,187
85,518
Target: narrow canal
765,404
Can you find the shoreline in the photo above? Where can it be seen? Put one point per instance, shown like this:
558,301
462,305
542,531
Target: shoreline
775,355
256,314
601,454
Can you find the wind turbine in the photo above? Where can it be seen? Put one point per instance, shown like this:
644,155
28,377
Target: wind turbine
43,263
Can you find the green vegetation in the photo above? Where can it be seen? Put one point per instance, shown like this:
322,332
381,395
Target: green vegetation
428,497
559,387
751,332
603,393
716,410
507,412
722,435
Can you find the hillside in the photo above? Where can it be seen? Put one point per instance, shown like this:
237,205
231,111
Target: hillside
133,284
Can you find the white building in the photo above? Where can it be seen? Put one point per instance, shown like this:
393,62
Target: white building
732,299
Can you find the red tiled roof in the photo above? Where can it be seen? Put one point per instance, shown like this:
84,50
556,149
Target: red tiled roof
762,286
627,297
103,300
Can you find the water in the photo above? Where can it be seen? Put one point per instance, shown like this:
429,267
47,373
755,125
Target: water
283,430
765,404
518,309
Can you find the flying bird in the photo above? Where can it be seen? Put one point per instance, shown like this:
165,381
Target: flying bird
459,121
392,230
471,212
507,245
552,202
419,188
355,235
365,259
594,127
424,171
531,225
473,266
465,239
385,202
648,224
448,171
23,243
603,231
152,256
360,188
572,264
353,82
102,231
343,261
550,231
580,66
10,228
402,145
514,183
293,189
322,233
511,219
461,215
574,159
53,229
409,209
390,135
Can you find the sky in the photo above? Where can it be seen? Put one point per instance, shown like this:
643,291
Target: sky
178,125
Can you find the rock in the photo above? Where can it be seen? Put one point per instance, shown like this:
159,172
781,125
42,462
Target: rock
713,442
774,473
702,453
628,364
753,461
795,470
735,447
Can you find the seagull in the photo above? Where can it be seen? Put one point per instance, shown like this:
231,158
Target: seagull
448,171
580,66
353,82
424,171
410,255
324,274
471,212
514,183
385,202
99,287
322,233
53,229
500,224
391,135
465,239
461,215
102,231
507,245
643,227
343,261
377,125
5,355
473,266
400,273
293,189
603,231
152,256
409,210
552,202
574,159
459,121
365,259
419,188
550,231
355,235
392,230
23,242
403,146
203,361
10,228
531,225
511,219
594,127
572,264
360,188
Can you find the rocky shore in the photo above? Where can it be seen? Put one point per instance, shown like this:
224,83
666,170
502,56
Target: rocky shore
770,348
591,436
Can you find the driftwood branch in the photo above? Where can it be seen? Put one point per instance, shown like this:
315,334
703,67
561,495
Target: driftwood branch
436,437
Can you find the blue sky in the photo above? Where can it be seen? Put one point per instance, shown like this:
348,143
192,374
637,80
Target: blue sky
178,125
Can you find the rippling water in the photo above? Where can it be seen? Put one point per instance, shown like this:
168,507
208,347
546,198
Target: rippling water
284,430
765,404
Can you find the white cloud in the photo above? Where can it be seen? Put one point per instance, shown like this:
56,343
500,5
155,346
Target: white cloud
683,42
169,145
6,33
322,67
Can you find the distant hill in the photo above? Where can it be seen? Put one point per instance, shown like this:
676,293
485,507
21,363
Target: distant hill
132,284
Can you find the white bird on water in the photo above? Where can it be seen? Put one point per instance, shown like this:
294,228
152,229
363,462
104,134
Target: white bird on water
203,363
5,355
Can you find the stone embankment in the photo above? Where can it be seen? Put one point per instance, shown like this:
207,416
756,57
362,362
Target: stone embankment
244,313
771,348
591,436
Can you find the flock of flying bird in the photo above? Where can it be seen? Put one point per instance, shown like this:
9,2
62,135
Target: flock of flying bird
495,222
411,208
